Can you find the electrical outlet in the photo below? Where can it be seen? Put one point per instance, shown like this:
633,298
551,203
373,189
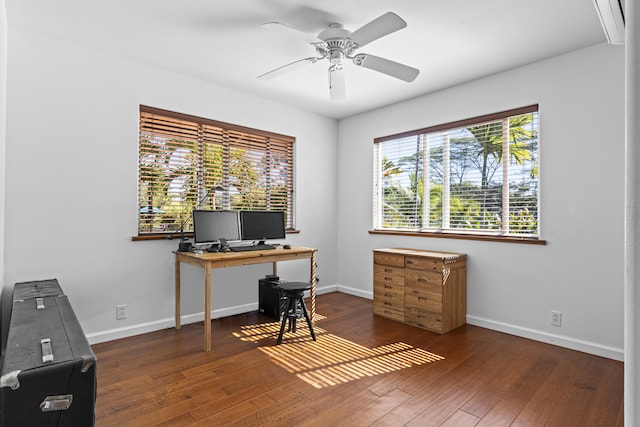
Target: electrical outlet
556,318
121,311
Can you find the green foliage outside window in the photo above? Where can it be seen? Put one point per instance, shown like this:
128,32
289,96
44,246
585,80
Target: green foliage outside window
209,167
481,177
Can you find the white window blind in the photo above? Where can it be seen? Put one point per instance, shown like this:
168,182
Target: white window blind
186,161
477,176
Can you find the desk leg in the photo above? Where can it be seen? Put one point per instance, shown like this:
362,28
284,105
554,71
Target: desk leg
177,280
207,308
312,280
275,268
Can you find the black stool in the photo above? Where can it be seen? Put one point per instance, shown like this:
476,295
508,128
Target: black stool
293,292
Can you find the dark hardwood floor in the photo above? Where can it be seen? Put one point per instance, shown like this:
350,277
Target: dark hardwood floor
363,371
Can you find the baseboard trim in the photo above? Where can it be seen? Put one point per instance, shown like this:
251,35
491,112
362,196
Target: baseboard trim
356,292
559,340
143,328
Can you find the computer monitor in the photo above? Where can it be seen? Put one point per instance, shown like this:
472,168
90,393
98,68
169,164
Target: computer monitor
262,225
211,227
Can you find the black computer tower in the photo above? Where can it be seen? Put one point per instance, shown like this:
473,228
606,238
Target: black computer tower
270,302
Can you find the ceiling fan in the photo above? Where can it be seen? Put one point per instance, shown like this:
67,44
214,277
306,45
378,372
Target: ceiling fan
337,43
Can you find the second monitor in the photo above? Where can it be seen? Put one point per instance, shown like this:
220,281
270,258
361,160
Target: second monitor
262,225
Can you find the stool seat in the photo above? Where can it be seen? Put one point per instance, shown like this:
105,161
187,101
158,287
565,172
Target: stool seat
294,286
293,293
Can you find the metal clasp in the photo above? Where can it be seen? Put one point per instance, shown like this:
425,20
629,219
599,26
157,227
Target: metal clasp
56,403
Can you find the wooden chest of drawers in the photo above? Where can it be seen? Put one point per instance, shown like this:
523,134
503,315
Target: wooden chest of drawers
423,288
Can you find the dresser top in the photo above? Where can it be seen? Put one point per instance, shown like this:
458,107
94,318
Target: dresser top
423,253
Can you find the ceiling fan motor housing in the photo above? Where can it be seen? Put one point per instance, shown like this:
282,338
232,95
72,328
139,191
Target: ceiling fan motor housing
336,44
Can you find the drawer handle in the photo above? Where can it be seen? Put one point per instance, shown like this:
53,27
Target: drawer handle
388,278
409,261
388,270
388,295
388,287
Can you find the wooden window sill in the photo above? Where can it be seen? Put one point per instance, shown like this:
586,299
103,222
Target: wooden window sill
176,236
462,236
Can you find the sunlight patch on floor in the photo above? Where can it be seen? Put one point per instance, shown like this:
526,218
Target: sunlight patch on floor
332,360
261,331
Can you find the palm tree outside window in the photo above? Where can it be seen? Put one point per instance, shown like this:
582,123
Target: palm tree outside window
476,176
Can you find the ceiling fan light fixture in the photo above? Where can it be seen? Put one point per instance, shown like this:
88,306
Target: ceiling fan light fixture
335,56
337,86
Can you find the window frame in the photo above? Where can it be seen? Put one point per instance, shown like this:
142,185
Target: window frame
468,234
245,138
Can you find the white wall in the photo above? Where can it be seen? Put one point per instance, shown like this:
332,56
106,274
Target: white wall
513,287
71,197
632,218
3,126
71,192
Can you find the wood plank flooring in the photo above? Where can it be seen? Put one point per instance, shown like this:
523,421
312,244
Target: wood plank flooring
364,370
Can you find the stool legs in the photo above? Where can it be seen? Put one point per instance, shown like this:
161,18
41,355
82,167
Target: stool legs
291,313
285,316
293,316
306,316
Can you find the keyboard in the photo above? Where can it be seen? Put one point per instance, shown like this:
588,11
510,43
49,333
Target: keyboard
251,248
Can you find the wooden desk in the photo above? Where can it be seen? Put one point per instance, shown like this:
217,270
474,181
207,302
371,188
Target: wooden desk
233,259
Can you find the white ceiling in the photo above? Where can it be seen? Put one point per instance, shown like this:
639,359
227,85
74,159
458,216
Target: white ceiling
222,41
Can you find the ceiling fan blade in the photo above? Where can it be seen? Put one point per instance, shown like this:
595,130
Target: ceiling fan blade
291,32
337,86
288,67
386,66
379,27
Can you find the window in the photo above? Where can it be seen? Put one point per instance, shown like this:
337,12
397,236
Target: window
187,162
472,177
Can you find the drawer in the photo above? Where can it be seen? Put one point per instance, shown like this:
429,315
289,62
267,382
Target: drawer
388,270
424,263
424,280
382,291
391,279
388,312
391,304
424,319
423,300
396,260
